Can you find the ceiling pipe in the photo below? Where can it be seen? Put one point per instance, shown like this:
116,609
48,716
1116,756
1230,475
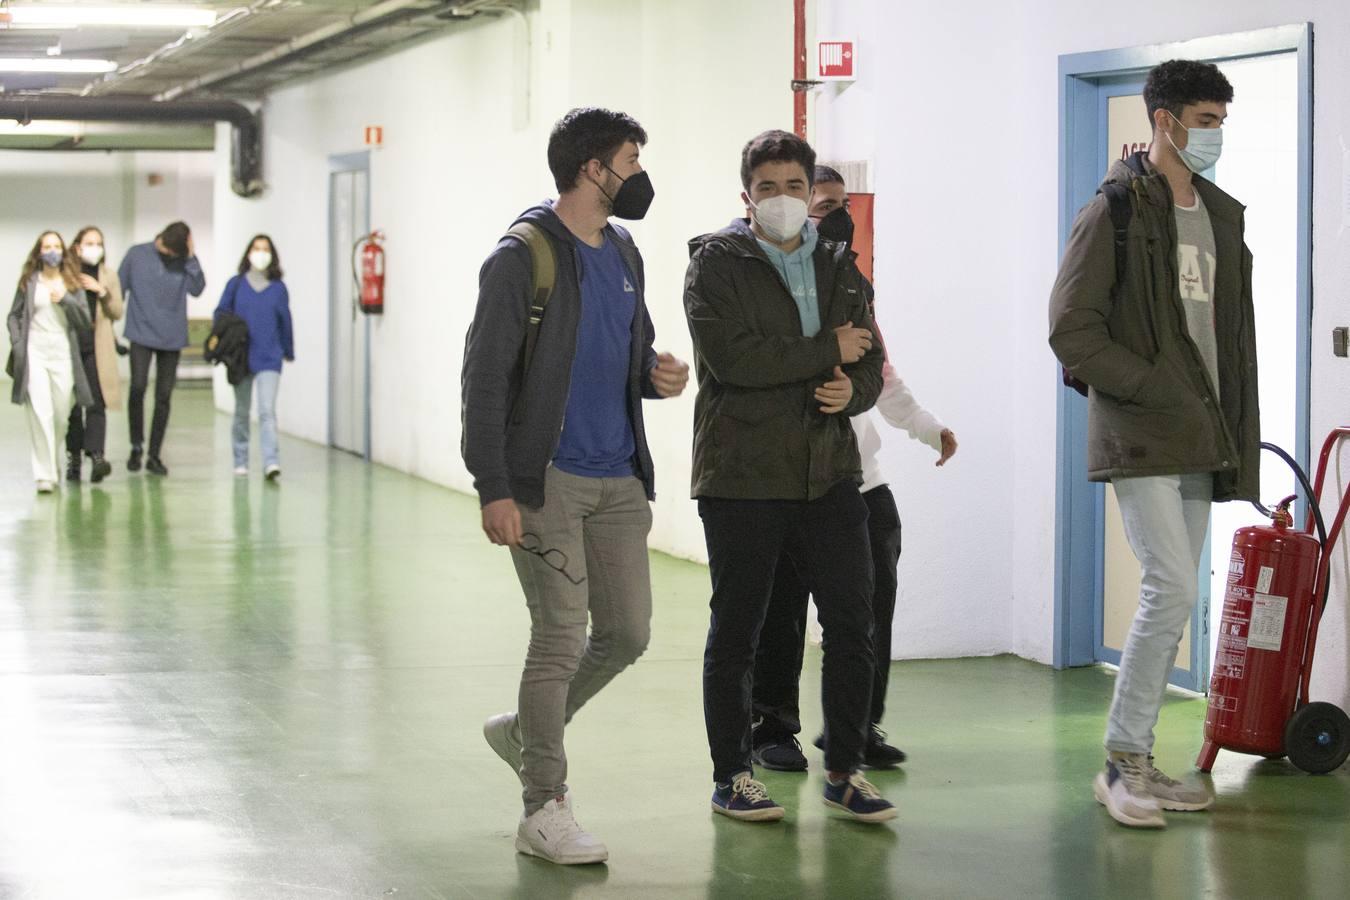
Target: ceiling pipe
368,19
187,43
245,133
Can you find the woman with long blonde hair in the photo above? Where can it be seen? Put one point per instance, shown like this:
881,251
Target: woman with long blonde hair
45,324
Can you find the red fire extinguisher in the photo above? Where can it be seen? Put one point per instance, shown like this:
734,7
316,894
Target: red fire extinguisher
369,275
1278,581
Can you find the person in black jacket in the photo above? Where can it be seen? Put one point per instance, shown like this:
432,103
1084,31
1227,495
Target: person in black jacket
784,352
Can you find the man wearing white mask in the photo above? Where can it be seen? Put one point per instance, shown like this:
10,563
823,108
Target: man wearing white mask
784,353
1153,311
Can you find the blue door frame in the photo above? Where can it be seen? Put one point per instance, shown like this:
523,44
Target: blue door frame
340,163
1079,504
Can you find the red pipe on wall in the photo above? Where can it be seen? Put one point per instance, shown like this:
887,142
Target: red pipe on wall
799,67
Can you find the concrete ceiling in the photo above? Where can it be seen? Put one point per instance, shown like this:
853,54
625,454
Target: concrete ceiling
254,47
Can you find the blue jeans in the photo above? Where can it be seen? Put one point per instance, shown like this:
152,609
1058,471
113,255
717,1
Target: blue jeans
268,383
1165,517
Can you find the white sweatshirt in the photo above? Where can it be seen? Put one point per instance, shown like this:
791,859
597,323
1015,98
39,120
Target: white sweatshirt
900,410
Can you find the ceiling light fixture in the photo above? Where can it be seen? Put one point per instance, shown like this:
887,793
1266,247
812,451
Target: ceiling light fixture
124,16
58,65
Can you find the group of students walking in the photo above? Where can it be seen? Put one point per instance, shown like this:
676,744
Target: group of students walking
789,360
63,348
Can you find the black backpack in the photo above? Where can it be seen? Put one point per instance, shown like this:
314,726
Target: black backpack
1118,199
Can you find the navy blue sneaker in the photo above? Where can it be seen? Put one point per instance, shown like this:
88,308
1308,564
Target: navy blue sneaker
745,799
859,799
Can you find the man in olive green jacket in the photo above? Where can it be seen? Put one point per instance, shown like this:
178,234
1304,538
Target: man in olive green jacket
784,354
1169,355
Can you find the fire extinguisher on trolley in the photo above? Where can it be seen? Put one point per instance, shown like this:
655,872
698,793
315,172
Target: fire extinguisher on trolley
1279,581
368,272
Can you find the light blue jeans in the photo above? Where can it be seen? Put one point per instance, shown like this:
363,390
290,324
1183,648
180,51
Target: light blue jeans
268,383
1166,517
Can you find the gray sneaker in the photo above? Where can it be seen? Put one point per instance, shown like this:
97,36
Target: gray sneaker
1123,789
503,736
1174,795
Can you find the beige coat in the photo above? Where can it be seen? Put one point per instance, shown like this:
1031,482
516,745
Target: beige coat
110,309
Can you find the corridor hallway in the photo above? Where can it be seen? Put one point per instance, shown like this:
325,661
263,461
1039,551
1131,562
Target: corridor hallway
220,688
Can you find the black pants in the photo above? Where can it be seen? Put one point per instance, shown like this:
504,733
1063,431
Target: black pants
87,429
828,539
166,374
778,661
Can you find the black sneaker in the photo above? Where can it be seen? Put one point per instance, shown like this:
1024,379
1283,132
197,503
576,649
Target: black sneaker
880,755
134,461
154,466
100,469
73,468
781,755
877,754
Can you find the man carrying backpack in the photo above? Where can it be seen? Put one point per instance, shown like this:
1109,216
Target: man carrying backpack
1166,343
557,362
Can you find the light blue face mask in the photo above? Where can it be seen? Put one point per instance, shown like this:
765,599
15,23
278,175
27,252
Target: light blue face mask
1203,147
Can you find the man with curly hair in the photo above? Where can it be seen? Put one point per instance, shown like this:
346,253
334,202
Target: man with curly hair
1152,310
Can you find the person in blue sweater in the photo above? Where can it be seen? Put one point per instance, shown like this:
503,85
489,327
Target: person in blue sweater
156,279
259,297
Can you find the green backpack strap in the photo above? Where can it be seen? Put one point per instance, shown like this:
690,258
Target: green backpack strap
543,275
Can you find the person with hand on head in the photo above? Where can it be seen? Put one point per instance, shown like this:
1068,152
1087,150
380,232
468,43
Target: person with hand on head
784,351
156,280
46,323
778,661
87,432
258,296
557,362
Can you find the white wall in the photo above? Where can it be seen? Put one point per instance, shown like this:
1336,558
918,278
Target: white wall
456,169
66,191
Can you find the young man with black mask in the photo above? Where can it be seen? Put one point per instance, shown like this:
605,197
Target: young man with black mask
156,280
1165,339
778,661
783,350
553,384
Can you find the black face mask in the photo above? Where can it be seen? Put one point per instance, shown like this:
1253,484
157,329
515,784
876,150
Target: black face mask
634,196
837,226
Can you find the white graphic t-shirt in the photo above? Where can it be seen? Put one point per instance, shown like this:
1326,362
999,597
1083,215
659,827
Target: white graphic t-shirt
1196,270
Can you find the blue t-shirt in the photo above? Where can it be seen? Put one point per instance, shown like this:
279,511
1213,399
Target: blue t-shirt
597,437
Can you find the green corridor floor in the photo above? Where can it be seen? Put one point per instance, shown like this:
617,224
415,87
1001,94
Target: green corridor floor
219,688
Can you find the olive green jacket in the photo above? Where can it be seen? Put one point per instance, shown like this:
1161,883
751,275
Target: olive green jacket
1151,403
759,433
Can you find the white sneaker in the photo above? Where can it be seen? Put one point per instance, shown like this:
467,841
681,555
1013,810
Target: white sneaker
503,736
553,834
272,472
46,487
1174,795
240,471
1123,789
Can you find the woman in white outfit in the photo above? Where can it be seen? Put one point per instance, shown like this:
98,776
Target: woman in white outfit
45,324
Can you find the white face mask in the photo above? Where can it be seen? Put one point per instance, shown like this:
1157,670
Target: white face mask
260,260
1203,146
780,218
91,254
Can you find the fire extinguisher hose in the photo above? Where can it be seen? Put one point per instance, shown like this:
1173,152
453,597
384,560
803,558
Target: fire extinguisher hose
1307,491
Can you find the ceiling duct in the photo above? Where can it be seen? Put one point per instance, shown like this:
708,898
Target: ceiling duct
245,133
